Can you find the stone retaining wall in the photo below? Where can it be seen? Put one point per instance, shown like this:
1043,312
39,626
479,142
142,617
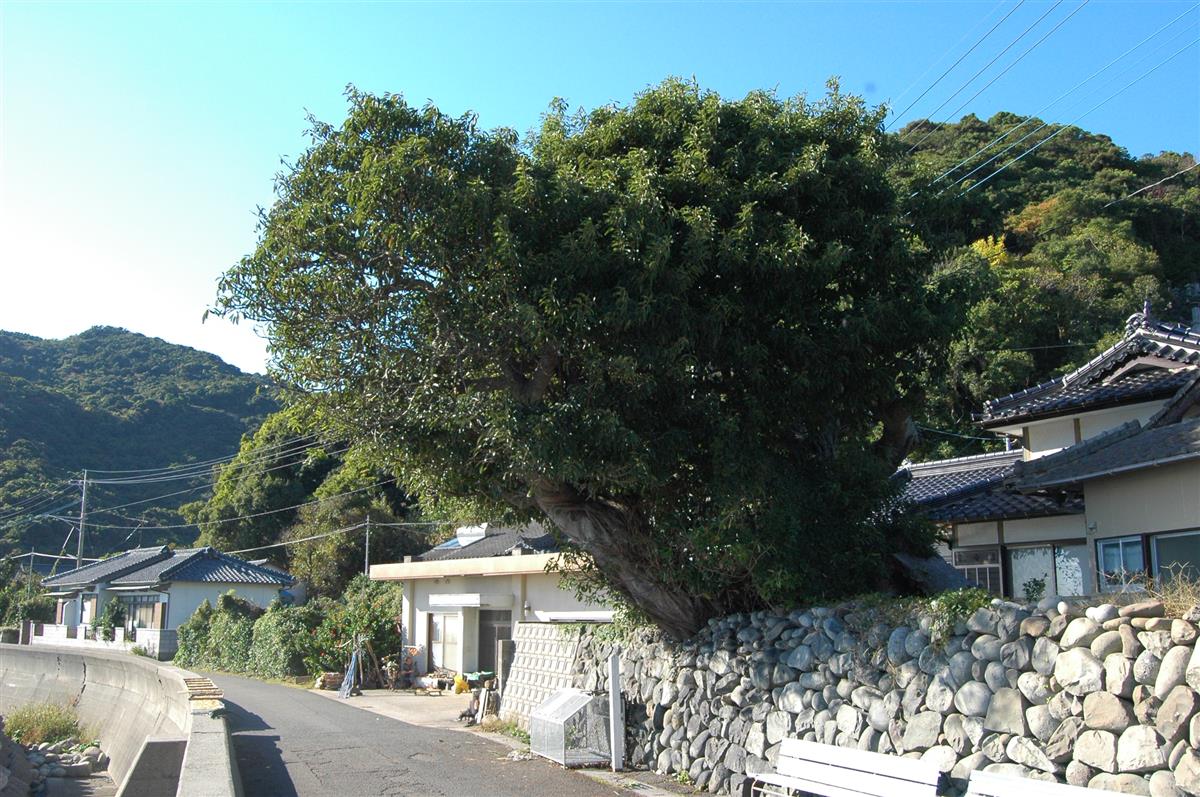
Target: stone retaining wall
1107,700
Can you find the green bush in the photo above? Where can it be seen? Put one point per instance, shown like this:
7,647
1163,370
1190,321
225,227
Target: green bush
193,637
283,640
34,723
237,636
218,639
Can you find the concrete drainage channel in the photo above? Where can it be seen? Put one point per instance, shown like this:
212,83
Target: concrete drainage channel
155,722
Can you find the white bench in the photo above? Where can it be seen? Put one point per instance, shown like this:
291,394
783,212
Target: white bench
843,772
990,784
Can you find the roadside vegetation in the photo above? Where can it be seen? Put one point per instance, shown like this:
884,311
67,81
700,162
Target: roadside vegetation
34,723
283,642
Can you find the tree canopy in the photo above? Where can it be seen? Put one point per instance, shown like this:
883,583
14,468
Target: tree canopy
682,329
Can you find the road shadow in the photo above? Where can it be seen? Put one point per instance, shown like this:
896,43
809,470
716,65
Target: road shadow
259,760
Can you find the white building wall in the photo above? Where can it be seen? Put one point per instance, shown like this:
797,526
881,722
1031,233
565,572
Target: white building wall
530,597
1041,529
1166,498
186,597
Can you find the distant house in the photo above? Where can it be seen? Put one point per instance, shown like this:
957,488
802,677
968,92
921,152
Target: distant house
463,597
159,589
1105,483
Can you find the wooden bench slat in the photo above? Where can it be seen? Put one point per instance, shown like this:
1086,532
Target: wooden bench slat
794,751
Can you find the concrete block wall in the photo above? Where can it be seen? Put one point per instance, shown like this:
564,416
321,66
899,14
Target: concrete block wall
543,662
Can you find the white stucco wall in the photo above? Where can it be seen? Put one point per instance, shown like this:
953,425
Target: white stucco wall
967,534
186,597
1046,437
1059,527
1165,498
547,602
1093,423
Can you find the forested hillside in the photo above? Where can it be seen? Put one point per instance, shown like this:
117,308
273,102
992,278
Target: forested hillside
1048,257
112,400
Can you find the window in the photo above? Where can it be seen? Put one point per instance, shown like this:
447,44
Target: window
981,568
1121,559
1176,555
444,633
139,611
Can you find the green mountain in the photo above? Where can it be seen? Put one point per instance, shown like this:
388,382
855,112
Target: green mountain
112,400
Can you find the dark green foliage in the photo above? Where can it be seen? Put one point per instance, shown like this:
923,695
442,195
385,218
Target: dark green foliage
282,640
1063,266
112,399
682,324
112,616
218,638
341,486
21,596
193,637
287,641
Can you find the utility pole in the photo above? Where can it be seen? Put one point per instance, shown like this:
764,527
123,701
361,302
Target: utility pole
82,520
367,549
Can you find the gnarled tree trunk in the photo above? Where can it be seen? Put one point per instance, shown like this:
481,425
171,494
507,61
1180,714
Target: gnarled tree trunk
617,539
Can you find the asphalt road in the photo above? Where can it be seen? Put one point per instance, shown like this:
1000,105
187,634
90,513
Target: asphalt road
289,742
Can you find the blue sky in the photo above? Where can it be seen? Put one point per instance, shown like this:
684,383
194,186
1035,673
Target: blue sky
137,139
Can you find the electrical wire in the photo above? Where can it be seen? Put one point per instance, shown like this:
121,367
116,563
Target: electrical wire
1001,74
345,530
232,519
1066,127
1057,99
199,471
991,30
209,485
217,460
988,65
1044,125
1152,185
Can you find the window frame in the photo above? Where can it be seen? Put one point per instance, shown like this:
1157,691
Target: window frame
1102,581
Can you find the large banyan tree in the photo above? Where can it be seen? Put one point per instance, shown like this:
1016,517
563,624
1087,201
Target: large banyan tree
681,330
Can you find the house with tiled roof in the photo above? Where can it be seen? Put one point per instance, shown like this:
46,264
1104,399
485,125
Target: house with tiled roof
1102,479
158,589
463,597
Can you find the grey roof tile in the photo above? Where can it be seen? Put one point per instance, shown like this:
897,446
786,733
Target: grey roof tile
1093,386
940,480
155,565
968,489
1127,448
496,542
108,569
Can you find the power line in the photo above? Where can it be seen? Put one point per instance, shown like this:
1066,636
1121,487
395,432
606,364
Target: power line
1152,185
991,30
345,530
333,453
1001,74
1062,129
988,65
1049,105
232,519
956,434
196,471
217,460
1044,125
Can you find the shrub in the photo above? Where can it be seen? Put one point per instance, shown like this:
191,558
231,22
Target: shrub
283,640
218,638
193,637
34,723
